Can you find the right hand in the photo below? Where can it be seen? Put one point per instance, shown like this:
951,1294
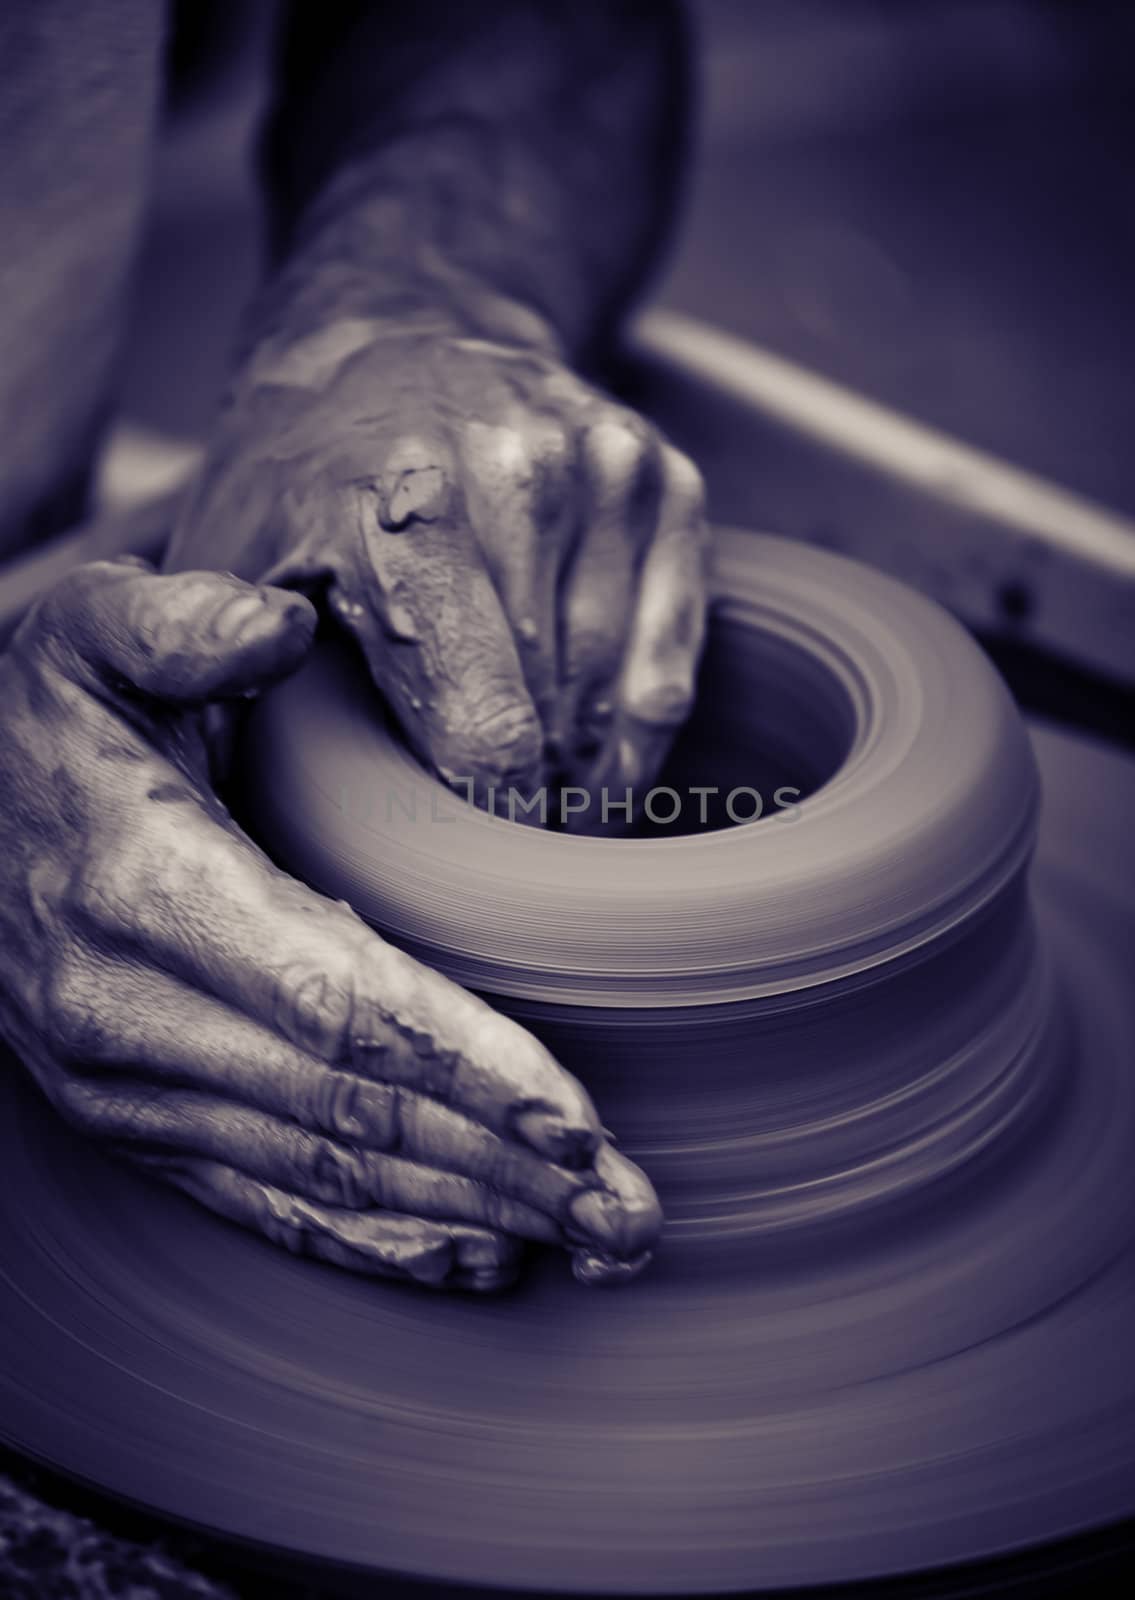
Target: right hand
177,996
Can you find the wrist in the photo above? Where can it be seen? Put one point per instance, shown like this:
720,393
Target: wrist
299,335
445,228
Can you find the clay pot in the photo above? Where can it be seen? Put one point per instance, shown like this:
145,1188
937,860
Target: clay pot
789,1018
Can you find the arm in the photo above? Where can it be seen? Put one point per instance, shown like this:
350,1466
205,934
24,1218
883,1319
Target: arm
519,153
464,197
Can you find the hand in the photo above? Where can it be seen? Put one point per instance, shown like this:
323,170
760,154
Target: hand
178,997
521,559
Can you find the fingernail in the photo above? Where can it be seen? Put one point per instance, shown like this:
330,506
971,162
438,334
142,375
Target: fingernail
299,614
596,1216
286,634
565,1143
622,1229
431,1264
603,1271
239,617
489,1280
258,631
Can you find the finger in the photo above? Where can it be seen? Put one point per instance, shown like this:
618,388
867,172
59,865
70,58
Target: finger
185,638
521,500
622,463
444,1255
138,1116
609,1206
150,1027
203,903
414,590
657,680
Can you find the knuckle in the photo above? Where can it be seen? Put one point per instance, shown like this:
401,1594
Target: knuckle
336,1105
313,1005
345,1107
333,1174
684,482
617,445
520,466
520,461
499,452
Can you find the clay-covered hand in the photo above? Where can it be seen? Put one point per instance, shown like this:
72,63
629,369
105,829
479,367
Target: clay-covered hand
521,558
178,997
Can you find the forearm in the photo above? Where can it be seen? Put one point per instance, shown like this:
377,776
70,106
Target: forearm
508,167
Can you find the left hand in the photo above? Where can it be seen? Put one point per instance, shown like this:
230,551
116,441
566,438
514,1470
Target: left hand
179,998
521,558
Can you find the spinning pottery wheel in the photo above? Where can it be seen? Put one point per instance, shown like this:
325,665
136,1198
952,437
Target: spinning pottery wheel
879,1068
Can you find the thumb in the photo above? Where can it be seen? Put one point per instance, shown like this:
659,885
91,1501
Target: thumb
184,638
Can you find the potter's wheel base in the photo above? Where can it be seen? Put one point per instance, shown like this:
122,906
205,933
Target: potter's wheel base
670,1439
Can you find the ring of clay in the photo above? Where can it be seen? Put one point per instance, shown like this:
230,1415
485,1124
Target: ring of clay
821,676
880,1077
851,981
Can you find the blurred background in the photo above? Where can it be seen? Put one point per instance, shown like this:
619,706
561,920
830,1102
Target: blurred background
927,200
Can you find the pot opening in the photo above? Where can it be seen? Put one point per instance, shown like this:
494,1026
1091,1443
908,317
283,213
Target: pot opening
771,724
